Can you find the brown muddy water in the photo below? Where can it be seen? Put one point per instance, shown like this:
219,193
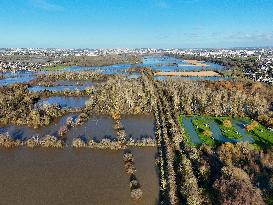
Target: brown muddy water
97,128
67,176
139,126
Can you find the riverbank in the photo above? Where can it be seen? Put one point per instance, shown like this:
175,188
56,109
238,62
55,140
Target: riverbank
196,63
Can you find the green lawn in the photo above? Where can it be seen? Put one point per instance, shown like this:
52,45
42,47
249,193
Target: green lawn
203,130
263,137
54,68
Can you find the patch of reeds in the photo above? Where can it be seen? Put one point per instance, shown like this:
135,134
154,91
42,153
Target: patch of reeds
49,141
62,131
144,142
7,141
78,143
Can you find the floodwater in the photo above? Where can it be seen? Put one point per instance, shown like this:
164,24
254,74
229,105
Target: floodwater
16,77
68,176
24,132
240,127
111,69
159,63
165,63
97,128
57,88
64,102
139,126
189,128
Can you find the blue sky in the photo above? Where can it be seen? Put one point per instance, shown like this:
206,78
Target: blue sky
136,23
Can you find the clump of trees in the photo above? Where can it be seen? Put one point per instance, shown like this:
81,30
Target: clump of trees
18,107
235,187
129,163
101,60
190,175
67,75
197,98
120,95
144,142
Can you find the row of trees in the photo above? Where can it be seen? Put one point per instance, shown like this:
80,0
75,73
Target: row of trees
228,174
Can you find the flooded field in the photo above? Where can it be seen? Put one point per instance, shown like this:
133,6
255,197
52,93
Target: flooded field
64,102
24,132
138,127
214,78
158,63
17,77
74,177
57,88
97,128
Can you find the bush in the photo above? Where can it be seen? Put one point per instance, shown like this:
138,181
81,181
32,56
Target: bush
254,124
51,141
78,143
136,194
7,141
227,123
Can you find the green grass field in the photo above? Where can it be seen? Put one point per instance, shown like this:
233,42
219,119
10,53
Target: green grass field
262,136
54,68
227,131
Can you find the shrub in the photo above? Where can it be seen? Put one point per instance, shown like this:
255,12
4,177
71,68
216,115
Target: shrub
78,143
254,124
207,133
7,141
136,194
116,116
51,141
32,142
62,131
69,122
227,123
